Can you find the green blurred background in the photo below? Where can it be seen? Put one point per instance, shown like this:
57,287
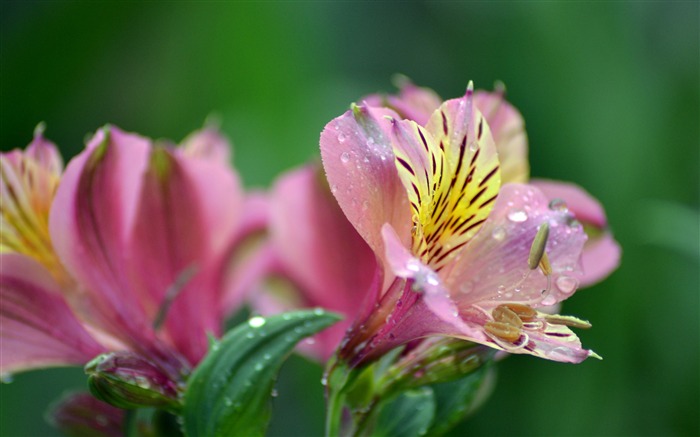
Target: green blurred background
609,91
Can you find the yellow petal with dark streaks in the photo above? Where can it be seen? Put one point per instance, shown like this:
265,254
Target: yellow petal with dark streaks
451,172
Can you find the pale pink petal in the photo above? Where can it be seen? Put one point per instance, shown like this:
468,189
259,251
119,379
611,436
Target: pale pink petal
601,254
508,130
89,224
207,143
37,328
359,163
493,268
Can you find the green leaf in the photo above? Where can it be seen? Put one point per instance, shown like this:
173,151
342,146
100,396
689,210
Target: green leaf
229,392
408,415
455,400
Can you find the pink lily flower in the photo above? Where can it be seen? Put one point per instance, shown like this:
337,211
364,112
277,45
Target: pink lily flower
314,257
133,251
461,255
602,253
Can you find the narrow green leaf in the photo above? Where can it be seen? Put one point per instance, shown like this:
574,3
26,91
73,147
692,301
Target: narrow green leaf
408,415
229,392
456,400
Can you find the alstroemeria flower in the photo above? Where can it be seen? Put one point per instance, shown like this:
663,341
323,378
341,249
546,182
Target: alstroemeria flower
140,231
602,253
462,255
315,257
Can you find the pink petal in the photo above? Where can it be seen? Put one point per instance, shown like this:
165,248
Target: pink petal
584,206
90,219
244,265
425,281
187,210
508,130
413,102
37,327
493,268
317,244
601,254
207,143
359,163
45,153
80,413
319,250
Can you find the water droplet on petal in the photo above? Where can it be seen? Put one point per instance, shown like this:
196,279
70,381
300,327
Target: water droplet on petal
558,205
549,300
344,157
341,137
334,188
466,287
473,147
567,284
517,216
498,233
413,265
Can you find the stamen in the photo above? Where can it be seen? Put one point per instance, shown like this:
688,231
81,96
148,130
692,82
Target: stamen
171,294
502,330
505,315
524,312
537,252
568,321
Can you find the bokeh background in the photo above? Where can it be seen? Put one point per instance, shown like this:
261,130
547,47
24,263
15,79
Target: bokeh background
609,91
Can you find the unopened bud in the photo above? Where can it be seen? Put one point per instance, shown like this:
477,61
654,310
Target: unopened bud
127,380
81,415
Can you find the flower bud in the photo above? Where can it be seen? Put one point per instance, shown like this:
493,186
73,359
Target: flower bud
127,380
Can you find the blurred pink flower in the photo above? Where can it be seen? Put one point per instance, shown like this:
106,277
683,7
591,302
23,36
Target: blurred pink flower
130,256
462,256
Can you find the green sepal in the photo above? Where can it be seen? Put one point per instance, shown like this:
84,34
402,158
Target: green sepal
151,422
229,392
410,414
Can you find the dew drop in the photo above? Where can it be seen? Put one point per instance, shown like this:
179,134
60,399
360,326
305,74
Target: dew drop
341,137
549,300
228,402
6,378
466,287
567,284
258,367
558,205
256,322
365,205
413,265
274,393
334,188
517,216
498,233
102,420
344,157
473,147
310,341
